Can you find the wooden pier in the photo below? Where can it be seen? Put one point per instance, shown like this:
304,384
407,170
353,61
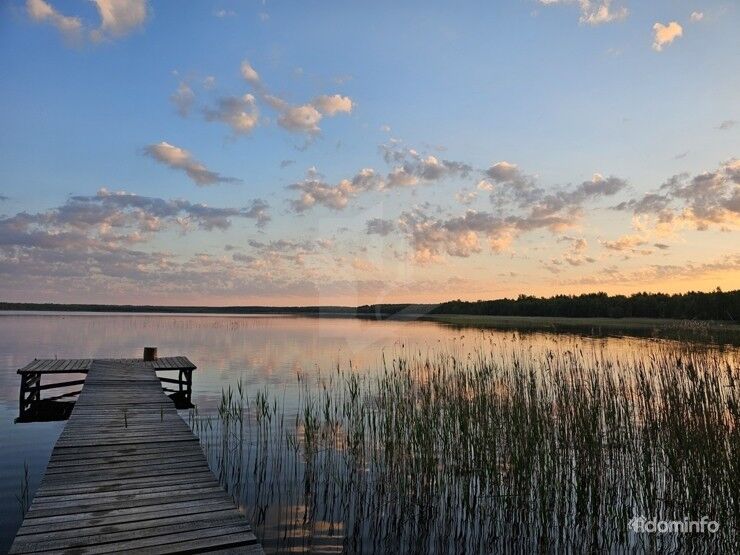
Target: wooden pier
31,406
127,475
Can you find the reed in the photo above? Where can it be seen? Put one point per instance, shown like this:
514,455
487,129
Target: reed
505,449
24,493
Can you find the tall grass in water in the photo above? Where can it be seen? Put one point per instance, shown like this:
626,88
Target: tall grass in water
498,451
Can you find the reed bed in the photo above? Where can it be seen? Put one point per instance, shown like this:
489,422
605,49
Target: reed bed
507,449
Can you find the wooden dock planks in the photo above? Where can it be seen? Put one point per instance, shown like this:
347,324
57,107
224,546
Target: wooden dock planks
81,365
128,476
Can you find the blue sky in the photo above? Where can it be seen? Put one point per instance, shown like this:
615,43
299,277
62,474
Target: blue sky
559,90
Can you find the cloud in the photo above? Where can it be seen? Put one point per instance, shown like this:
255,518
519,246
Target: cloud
379,226
574,256
108,224
594,12
696,17
458,236
180,159
663,35
629,243
659,273
708,199
509,185
249,74
412,167
183,99
306,118
286,163
242,114
727,125
401,177
3,198
332,105
314,190
42,12
301,119
238,112
119,17
522,207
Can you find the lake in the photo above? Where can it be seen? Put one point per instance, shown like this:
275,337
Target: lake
274,355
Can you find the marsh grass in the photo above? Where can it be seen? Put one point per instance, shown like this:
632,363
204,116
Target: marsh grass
504,450
24,492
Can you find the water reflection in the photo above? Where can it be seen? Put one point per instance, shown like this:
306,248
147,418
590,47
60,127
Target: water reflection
264,352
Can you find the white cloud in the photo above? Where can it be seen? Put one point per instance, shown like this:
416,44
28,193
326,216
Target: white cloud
180,159
42,12
249,74
628,243
314,190
238,112
332,105
297,118
708,199
664,35
594,12
696,17
119,17
304,118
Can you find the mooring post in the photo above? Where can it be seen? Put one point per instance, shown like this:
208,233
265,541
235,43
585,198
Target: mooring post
150,354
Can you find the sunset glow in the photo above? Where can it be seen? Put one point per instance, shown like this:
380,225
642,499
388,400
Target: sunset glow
354,153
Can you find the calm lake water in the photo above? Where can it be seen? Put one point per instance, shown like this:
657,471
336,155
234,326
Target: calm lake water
261,351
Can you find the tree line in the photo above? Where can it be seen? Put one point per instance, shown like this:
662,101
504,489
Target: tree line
694,305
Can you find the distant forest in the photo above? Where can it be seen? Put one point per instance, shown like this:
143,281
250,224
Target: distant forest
715,305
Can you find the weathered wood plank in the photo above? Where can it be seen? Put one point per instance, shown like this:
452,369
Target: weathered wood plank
127,475
52,365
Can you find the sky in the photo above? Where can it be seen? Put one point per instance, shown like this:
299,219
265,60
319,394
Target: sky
317,152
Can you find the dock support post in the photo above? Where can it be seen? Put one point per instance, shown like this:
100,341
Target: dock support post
22,397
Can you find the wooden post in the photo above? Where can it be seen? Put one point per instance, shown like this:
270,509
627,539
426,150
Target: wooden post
22,397
150,354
